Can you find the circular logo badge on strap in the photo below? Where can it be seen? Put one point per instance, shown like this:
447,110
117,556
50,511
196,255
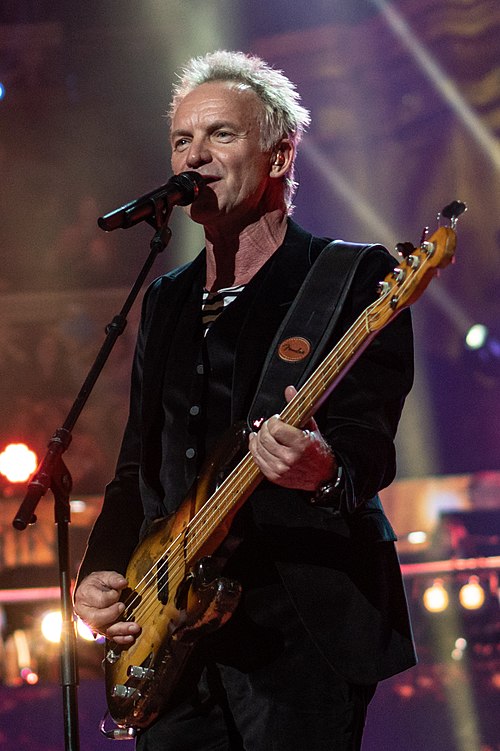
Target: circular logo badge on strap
293,349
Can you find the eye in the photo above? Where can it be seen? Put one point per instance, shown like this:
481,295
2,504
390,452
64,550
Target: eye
224,135
180,144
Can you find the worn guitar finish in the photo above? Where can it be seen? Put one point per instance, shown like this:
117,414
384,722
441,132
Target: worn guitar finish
176,593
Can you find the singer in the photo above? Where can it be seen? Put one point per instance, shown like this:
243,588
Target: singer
322,615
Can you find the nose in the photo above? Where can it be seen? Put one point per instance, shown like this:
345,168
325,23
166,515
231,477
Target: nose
198,154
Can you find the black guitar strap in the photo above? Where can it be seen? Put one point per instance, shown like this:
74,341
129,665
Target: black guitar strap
299,344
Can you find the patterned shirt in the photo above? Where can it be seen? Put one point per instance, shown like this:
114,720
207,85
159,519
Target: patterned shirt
215,302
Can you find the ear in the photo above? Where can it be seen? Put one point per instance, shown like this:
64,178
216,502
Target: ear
281,158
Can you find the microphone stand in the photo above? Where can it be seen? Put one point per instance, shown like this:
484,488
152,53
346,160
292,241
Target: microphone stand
52,473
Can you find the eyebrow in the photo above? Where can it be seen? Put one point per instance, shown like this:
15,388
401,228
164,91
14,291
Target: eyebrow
217,125
179,132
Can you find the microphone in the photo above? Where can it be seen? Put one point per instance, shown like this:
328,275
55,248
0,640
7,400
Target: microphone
180,190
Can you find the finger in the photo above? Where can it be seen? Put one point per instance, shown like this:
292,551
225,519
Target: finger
122,641
97,598
100,618
278,434
107,580
267,437
263,458
94,598
123,632
267,447
101,588
112,580
274,466
104,580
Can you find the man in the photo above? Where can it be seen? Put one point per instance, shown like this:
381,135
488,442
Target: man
322,616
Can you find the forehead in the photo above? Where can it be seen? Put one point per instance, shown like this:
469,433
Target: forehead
219,100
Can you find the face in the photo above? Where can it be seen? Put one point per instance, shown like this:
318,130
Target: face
215,131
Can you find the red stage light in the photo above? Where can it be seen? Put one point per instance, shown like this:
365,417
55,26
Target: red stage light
17,462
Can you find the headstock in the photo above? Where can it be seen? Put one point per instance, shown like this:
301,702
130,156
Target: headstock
403,286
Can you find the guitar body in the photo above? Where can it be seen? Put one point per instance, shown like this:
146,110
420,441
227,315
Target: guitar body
175,600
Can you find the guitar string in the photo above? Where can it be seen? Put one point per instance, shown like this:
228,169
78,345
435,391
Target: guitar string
206,521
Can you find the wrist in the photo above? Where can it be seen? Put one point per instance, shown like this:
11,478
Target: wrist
328,491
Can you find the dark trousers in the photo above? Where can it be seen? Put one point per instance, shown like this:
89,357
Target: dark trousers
289,699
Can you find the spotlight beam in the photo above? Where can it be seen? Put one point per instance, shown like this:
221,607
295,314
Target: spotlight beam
368,215
443,83
416,423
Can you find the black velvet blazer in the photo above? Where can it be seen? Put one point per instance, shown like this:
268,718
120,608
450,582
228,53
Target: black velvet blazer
338,566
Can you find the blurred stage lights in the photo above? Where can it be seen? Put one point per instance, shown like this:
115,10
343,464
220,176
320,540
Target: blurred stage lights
436,598
51,626
458,652
29,655
17,462
471,595
23,655
483,348
476,336
2,91
417,538
29,676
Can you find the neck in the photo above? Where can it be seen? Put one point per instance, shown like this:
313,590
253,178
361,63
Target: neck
233,258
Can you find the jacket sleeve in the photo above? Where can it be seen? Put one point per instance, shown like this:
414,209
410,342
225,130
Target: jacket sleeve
360,418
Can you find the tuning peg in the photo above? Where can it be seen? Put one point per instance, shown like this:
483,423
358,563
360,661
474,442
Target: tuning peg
404,249
453,210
